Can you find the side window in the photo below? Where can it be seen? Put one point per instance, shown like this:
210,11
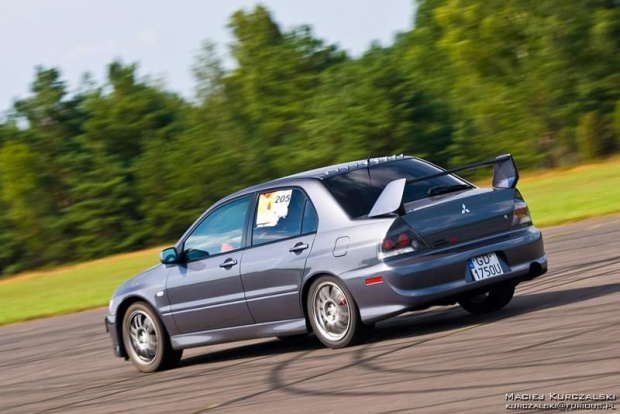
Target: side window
311,219
278,216
220,232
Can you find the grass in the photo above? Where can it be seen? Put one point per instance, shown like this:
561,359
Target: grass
69,289
583,192
554,197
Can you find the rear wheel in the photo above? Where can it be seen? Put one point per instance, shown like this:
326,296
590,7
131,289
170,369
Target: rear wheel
492,300
334,315
146,340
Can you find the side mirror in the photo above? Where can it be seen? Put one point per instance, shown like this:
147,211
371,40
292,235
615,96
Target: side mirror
169,256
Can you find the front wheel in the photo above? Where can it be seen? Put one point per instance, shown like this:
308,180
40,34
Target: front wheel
492,300
334,315
146,340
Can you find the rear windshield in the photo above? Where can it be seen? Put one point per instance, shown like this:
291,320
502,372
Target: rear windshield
354,192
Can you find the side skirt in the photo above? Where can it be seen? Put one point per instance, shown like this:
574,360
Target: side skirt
239,333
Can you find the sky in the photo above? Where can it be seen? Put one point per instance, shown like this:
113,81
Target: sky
81,36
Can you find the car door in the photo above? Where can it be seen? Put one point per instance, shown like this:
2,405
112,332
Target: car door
205,290
283,230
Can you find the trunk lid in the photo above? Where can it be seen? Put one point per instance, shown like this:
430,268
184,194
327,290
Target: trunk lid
458,217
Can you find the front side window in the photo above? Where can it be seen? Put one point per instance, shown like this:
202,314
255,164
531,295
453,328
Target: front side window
220,232
278,216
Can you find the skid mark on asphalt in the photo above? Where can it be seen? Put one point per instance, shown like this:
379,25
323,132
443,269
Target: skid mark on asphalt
276,380
365,362
558,332
139,385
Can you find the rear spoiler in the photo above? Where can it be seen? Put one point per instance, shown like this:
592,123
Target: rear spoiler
505,175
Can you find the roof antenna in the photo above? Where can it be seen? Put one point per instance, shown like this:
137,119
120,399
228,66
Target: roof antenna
374,143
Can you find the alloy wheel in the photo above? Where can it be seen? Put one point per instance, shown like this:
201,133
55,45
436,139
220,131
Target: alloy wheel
332,312
143,337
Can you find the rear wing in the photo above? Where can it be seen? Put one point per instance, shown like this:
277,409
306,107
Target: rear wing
505,175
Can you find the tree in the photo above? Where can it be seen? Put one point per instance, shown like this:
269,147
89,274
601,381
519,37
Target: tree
270,89
616,123
126,164
107,209
208,71
29,203
590,136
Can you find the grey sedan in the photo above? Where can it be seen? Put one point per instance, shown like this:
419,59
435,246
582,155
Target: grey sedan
331,251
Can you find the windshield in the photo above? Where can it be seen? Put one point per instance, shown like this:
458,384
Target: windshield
354,192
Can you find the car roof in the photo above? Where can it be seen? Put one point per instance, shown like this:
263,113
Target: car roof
318,174
337,169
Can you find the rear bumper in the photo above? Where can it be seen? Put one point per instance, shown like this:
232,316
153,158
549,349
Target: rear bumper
110,327
440,276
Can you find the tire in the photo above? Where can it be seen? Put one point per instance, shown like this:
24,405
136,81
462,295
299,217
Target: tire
492,300
334,315
146,340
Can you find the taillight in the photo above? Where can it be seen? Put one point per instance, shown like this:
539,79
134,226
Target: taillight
400,239
403,239
521,215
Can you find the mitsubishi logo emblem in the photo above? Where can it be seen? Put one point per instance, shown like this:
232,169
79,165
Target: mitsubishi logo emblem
465,209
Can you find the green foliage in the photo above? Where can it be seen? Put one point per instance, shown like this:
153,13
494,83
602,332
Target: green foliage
128,164
578,194
590,136
616,123
28,202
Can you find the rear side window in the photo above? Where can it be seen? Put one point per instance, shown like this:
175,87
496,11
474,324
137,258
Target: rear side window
311,219
353,191
279,215
357,192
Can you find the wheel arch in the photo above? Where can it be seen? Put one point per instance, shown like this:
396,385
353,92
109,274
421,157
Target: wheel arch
120,315
305,289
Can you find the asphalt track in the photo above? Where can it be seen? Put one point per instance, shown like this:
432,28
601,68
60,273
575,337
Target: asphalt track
560,334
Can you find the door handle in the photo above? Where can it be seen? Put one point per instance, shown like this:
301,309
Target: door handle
228,263
298,247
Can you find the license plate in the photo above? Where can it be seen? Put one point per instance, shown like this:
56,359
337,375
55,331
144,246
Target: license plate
485,266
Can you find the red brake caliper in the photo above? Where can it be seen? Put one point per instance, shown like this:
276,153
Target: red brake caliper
342,300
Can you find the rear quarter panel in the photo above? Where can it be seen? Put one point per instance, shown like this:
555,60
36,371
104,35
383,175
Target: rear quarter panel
341,244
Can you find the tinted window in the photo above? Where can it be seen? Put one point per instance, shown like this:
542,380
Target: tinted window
220,232
354,192
278,215
311,220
